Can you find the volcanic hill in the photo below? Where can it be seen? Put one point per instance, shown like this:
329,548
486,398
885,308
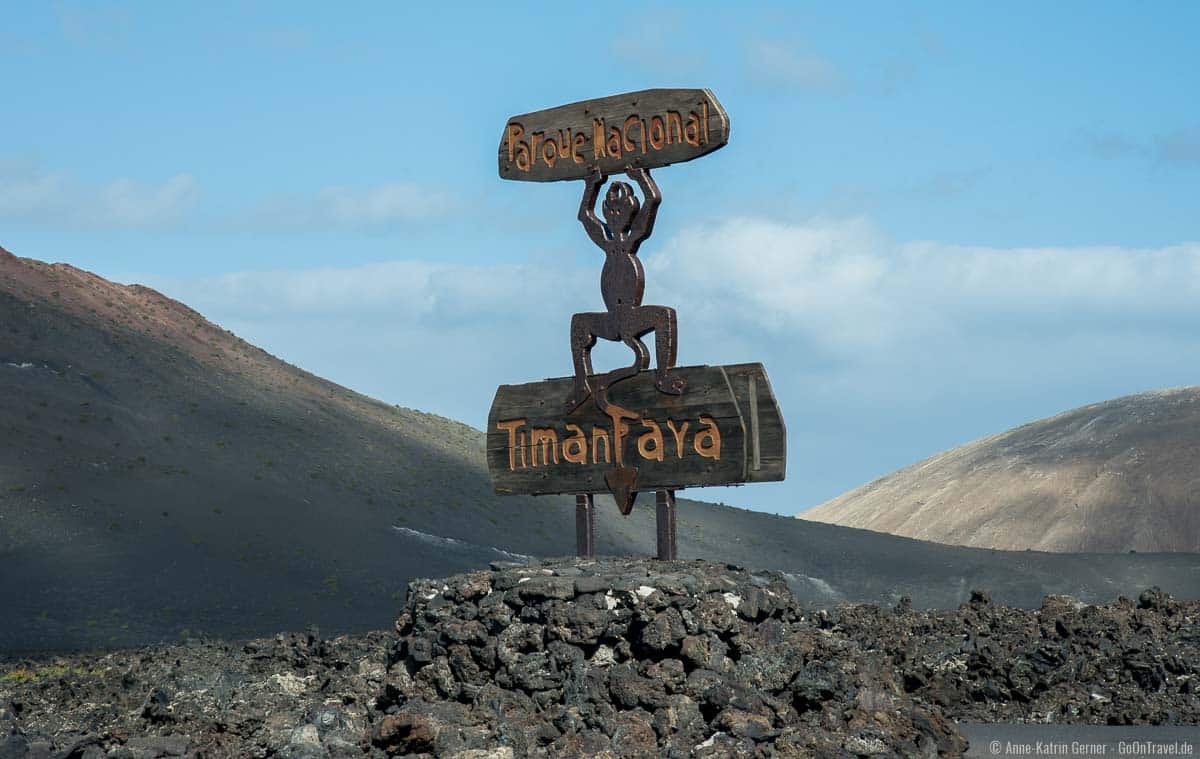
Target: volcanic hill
161,478
1116,476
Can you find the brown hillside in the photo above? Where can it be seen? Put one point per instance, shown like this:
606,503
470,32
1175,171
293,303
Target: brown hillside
1118,476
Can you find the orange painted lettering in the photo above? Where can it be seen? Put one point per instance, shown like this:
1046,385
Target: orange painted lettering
545,439
614,142
515,131
654,436
691,132
713,437
574,448
626,143
597,138
512,427
679,436
658,132
675,123
600,435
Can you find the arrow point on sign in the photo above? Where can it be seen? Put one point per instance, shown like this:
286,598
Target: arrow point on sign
620,481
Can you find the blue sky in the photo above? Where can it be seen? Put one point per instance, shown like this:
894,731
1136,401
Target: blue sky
931,223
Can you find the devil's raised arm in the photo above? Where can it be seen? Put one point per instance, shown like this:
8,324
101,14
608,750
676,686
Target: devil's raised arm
643,224
587,208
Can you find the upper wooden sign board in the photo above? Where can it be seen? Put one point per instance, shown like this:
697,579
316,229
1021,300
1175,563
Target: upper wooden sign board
645,129
725,429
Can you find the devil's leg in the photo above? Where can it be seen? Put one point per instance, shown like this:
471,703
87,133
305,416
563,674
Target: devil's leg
603,382
585,328
661,320
640,351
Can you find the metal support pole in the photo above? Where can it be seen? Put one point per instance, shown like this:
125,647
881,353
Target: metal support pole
665,520
585,525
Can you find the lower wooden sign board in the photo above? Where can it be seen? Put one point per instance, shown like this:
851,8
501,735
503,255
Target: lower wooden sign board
725,429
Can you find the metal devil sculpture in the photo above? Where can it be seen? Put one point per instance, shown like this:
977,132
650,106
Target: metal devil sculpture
630,429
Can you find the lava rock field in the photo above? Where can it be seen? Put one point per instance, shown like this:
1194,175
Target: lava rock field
622,658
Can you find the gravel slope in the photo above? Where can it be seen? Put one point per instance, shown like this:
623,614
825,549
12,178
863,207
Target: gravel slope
1111,477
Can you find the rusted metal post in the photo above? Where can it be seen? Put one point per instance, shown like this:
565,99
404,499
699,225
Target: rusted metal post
585,525
665,521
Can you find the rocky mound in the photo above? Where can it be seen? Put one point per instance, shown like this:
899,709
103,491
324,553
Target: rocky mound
632,658
1110,477
619,657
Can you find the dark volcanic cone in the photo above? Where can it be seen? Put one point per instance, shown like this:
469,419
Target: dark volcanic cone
1110,477
161,477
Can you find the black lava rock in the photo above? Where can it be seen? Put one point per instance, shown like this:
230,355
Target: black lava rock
630,657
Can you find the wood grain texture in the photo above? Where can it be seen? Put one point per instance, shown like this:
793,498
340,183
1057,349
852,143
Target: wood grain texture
771,429
710,400
648,129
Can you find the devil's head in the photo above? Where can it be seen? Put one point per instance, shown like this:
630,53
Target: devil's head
620,206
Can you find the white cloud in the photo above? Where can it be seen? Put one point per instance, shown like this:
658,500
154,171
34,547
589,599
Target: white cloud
348,208
284,39
821,280
125,203
949,184
25,193
659,41
1110,145
381,205
845,287
30,194
783,65
880,352
413,291
104,26
833,295
1178,147
436,336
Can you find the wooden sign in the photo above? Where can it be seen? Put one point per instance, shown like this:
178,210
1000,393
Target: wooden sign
646,129
627,431
725,429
